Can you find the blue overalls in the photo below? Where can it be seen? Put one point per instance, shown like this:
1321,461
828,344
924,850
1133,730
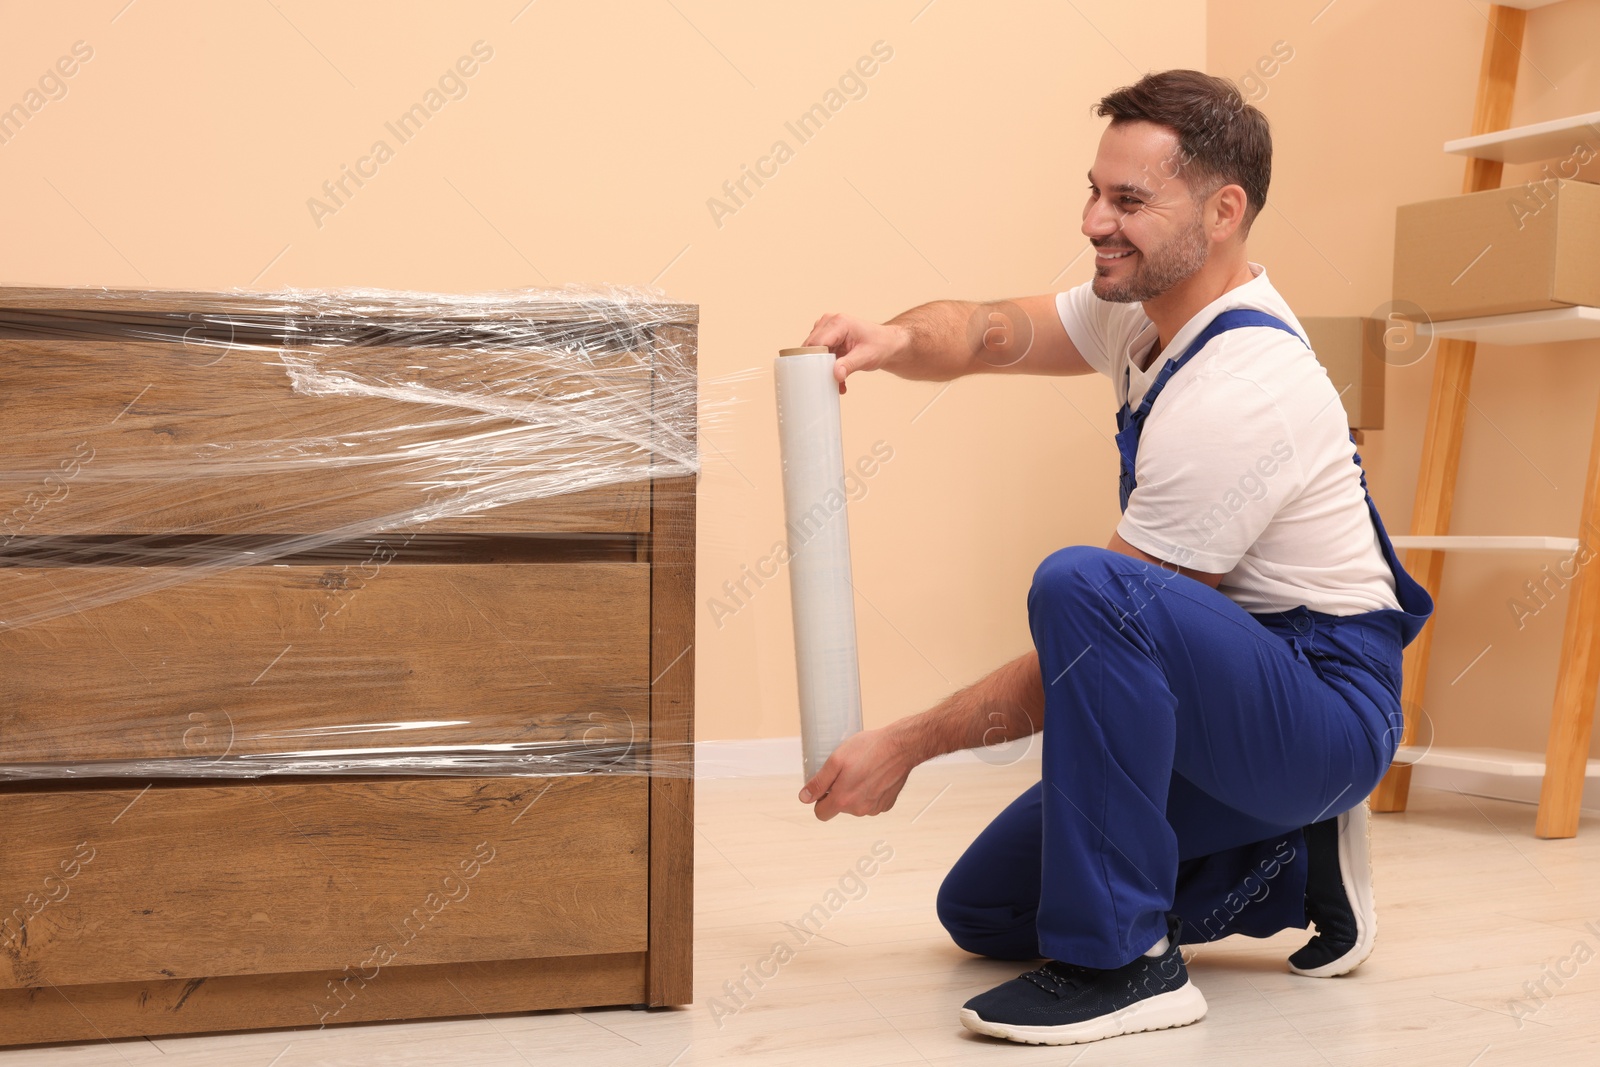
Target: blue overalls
1186,742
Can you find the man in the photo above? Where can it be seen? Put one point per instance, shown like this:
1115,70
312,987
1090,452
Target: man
1219,688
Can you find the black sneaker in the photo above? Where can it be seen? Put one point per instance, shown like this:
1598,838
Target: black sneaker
1338,895
1063,1004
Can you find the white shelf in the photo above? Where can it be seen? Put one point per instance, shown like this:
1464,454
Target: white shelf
1523,328
1555,139
1501,761
1473,543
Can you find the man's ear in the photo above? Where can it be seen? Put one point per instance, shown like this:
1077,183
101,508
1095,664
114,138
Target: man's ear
1224,212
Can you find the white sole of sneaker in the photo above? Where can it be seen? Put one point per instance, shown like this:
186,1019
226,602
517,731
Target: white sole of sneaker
1180,1007
1355,866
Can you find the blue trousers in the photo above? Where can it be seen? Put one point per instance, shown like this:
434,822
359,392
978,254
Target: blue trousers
1185,744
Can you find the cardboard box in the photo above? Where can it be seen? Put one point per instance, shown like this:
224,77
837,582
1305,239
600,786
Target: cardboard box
1350,349
1523,248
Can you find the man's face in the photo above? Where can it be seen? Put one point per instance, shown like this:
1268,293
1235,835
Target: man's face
1140,217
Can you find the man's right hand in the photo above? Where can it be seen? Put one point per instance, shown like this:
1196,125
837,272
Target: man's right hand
860,345
863,776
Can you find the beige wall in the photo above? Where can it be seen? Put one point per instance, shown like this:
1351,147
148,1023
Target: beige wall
585,150
1359,116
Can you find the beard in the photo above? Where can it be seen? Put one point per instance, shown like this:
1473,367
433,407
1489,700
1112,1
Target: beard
1159,269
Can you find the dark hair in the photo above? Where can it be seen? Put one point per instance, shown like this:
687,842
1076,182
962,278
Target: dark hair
1222,139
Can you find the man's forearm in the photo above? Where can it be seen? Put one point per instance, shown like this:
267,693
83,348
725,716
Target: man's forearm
1007,703
941,347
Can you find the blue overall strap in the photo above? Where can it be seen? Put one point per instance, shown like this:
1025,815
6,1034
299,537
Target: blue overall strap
1130,425
1416,603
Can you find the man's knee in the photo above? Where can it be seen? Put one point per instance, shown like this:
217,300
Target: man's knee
948,906
978,934
1070,573
1087,580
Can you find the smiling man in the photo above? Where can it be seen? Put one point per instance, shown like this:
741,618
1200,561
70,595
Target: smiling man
1218,688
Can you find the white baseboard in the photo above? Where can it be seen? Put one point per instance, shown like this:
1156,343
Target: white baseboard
780,757
1495,786
757,758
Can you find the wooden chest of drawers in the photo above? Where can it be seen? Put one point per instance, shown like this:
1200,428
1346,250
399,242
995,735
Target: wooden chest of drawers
346,658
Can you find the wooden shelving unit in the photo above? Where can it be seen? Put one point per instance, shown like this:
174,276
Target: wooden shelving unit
1531,143
1492,543
1565,765
1523,328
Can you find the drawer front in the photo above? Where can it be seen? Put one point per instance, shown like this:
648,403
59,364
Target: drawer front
192,881
121,436
285,659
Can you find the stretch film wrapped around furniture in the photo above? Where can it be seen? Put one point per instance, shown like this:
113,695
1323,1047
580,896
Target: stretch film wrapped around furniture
339,532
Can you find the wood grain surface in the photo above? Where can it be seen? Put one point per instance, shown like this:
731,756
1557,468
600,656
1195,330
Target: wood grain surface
151,437
672,656
279,659
193,881
203,566
92,1013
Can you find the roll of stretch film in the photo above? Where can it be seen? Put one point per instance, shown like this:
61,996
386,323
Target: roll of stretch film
814,498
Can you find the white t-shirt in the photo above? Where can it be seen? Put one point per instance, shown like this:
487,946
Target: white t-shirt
1245,467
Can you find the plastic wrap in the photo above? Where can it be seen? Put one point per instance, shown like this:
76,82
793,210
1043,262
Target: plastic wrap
336,532
823,597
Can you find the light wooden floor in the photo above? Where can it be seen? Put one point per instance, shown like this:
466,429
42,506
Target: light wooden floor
1471,907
